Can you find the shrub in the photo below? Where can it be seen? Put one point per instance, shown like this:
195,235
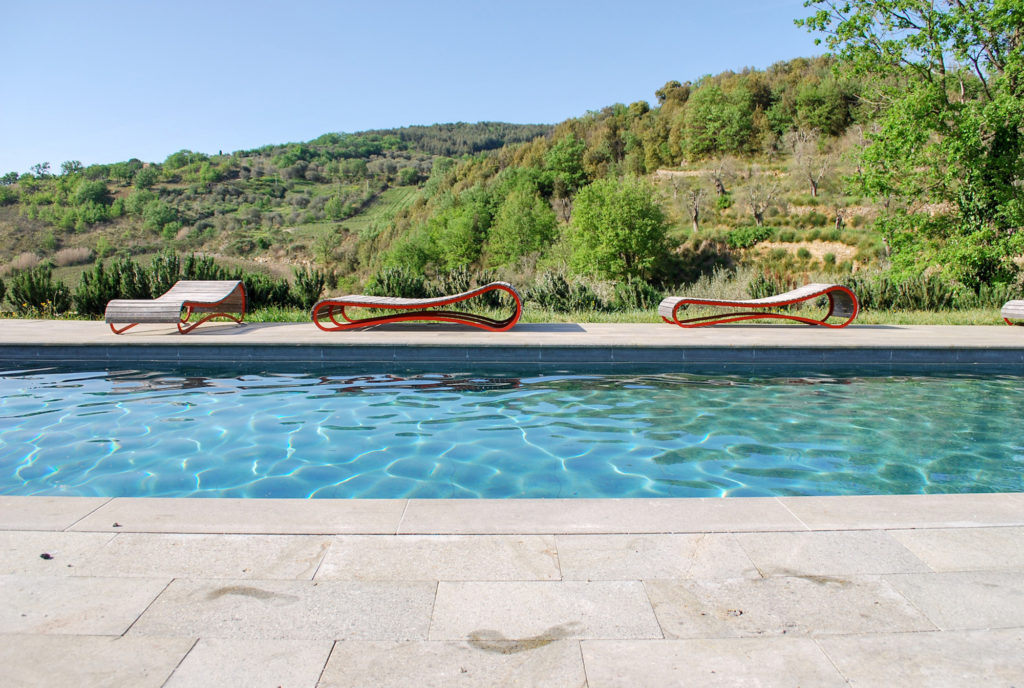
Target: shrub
72,256
3,290
635,294
96,288
264,291
34,291
724,201
309,285
764,285
829,259
23,261
452,281
924,292
803,253
745,237
397,281
554,292
816,219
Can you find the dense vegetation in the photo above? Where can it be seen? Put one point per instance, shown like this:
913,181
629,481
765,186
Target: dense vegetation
896,166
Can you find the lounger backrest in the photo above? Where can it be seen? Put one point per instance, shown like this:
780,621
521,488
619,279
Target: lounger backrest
223,295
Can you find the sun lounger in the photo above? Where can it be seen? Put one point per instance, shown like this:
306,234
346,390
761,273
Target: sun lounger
1013,310
215,298
842,303
326,313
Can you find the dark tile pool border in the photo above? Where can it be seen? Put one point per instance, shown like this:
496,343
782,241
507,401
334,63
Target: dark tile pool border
596,358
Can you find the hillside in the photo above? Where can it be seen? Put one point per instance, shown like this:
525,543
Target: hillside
781,171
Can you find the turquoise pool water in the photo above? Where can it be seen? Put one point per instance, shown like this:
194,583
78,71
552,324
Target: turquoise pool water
166,434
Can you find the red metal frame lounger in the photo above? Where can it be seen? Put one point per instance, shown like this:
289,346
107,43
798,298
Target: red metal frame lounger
216,298
327,312
842,303
1014,310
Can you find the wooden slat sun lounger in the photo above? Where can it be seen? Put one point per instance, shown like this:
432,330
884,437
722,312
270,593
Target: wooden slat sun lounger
326,313
215,298
1013,310
842,303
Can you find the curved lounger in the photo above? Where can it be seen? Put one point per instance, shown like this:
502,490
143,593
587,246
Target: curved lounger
326,312
842,303
1013,310
216,298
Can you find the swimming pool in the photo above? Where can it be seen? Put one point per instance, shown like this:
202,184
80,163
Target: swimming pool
173,434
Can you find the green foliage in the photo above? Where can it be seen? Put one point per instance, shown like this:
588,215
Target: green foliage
633,294
157,214
554,292
770,284
96,288
164,271
8,196
618,228
3,290
33,292
524,224
397,281
952,128
565,161
883,291
146,178
138,200
90,192
723,201
264,291
308,285
745,237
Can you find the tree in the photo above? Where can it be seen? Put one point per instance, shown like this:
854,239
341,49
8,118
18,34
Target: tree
809,162
950,79
41,170
70,167
145,178
565,160
761,194
524,224
618,228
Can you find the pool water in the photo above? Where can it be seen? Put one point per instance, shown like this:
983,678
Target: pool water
165,434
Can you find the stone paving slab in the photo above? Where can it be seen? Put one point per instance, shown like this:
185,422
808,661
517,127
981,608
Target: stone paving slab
908,511
792,606
596,516
31,661
930,660
45,513
151,555
281,516
966,600
295,610
73,605
440,664
440,557
829,553
966,549
534,611
227,663
626,557
709,663
22,551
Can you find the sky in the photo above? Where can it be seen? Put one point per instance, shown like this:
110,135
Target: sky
103,81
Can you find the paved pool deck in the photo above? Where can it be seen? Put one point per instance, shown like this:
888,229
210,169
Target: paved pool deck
922,590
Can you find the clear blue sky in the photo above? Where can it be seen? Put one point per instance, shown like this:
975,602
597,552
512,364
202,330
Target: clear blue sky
104,81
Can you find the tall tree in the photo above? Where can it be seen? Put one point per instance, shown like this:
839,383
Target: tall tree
950,77
618,228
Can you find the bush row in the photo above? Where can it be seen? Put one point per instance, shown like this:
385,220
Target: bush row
34,291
